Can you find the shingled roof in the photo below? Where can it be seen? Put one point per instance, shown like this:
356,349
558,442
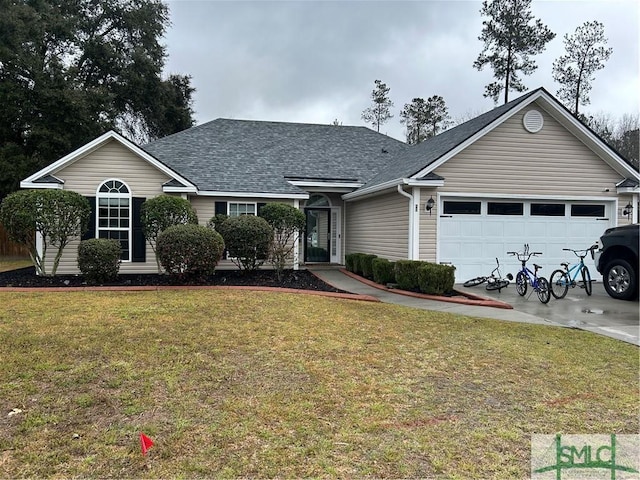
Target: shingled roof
415,159
249,156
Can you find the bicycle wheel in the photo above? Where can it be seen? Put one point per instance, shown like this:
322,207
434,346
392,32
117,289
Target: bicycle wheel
586,280
475,281
497,285
559,281
543,290
521,284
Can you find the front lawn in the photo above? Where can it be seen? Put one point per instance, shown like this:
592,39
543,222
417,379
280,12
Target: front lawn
256,384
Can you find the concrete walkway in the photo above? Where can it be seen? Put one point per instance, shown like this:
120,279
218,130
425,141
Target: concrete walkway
338,279
597,313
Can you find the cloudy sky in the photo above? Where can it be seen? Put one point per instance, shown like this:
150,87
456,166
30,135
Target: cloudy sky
316,61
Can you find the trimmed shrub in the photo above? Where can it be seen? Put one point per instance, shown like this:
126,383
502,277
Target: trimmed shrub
189,250
383,271
99,259
161,212
217,220
406,272
366,260
436,279
349,258
357,263
287,223
58,215
248,240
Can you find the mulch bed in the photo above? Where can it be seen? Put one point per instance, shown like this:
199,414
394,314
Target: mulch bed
300,279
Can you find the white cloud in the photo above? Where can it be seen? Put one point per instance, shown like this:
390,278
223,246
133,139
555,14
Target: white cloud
311,61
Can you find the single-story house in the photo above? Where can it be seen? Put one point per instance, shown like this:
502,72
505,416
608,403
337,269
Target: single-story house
524,172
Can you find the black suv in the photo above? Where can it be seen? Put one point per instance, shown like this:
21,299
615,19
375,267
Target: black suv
617,261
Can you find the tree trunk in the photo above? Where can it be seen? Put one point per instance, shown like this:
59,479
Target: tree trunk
506,83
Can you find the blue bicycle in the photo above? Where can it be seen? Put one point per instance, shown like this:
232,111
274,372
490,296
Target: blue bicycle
526,277
561,280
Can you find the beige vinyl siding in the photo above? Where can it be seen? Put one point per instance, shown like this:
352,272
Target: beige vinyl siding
428,225
510,160
622,203
378,225
113,160
84,176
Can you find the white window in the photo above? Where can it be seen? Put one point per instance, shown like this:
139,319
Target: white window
114,214
237,209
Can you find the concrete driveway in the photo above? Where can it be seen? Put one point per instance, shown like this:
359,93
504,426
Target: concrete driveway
598,313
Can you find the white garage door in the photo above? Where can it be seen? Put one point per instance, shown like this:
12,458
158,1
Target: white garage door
473,232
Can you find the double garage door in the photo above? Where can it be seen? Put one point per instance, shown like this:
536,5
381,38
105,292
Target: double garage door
473,232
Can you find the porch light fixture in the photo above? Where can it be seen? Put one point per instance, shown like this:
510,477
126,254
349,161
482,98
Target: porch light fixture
628,210
430,204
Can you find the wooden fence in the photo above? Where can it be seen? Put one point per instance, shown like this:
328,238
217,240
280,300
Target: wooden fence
9,248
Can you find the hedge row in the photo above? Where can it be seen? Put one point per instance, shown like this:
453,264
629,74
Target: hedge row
413,275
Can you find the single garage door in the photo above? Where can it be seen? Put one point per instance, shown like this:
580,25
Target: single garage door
473,232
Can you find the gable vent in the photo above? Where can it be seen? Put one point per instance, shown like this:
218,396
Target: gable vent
533,121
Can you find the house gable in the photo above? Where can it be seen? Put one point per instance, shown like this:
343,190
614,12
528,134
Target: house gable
105,157
513,161
429,156
541,101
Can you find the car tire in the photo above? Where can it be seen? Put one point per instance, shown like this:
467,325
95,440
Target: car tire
620,280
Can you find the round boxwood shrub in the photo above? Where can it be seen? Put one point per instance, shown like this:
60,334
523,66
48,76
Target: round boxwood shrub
366,265
436,279
406,273
349,258
161,212
99,259
248,240
189,250
383,272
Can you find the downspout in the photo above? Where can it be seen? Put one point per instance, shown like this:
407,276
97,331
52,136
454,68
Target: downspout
411,214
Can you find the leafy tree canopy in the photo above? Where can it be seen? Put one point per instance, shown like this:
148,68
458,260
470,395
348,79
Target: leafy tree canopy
586,53
425,119
287,222
71,70
510,39
161,212
622,134
58,215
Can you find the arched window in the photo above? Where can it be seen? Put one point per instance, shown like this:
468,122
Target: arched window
114,214
317,200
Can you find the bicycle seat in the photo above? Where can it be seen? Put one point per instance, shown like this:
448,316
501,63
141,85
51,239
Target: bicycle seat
536,266
564,264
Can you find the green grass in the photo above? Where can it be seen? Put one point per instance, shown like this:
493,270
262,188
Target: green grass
256,384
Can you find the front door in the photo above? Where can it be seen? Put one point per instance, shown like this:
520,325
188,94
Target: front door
318,235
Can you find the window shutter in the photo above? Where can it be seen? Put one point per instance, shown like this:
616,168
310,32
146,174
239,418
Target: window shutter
139,243
221,208
91,230
259,208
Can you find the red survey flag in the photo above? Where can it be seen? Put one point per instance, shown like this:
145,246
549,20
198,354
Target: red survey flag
145,443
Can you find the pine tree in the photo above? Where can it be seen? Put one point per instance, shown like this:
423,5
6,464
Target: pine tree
379,112
586,53
510,39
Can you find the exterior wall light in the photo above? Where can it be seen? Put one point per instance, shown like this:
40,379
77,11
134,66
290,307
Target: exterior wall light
429,205
628,210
